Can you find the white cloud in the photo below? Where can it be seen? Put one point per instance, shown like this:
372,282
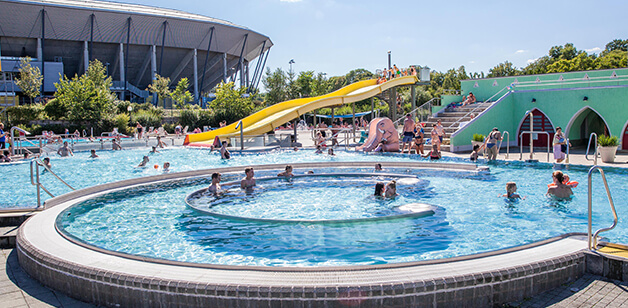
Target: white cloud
532,60
594,50
472,62
520,51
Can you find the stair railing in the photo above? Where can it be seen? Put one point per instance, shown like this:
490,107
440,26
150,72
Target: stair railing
532,147
593,237
427,106
36,182
507,142
456,123
586,155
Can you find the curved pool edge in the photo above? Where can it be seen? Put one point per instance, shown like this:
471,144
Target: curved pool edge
106,279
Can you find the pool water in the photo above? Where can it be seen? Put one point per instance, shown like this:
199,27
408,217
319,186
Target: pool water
470,216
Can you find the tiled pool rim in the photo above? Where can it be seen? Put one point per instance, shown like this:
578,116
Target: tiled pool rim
112,279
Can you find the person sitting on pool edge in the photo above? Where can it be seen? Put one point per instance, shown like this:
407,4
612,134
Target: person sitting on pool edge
214,188
287,173
433,154
475,153
559,190
160,143
390,189
249,181
511,191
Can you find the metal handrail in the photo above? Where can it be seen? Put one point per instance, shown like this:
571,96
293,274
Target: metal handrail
593,238
478,106
532,148
586,155
567,154
417,108
38,162
507,142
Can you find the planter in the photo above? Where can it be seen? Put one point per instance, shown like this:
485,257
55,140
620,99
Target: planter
608,153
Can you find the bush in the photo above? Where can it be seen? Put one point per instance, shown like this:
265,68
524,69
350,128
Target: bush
56,110
24,114
148,118
478,137
169,127
607,141
121,121
189,118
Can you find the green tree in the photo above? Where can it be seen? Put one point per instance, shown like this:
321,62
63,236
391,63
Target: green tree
503,70
538,66
30,79
319,85
160,86
304,82
88,97
231,104
616,44
613,59
275,84
180,95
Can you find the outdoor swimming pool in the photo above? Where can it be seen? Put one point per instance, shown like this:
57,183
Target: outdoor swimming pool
154,221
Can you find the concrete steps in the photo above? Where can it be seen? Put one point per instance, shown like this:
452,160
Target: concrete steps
10,221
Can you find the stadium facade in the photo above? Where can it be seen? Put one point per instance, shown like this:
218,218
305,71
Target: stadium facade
133,41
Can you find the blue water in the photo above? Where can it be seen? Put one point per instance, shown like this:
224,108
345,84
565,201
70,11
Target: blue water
470,215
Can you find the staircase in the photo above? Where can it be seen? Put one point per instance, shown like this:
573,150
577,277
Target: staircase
448,118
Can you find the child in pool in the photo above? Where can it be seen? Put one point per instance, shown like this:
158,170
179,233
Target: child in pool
287,173
379,189
511,191
391,189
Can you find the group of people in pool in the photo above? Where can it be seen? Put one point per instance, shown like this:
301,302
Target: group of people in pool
248,182
560,188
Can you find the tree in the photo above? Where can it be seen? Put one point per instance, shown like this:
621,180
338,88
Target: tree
613,59
275,84
503,70
181,95
303,84
30,79
231,104
88,97
616,44
319,85
160,86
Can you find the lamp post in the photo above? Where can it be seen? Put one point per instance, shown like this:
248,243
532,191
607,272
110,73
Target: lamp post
389,62
291,62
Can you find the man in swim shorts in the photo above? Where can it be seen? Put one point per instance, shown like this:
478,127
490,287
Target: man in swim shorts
249,181
65,150
559,189
408,133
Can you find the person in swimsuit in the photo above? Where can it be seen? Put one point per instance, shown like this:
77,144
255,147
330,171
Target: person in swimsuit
65,150
559,190
419,133
287,173
469,100
378,167
559,142
115,145
249,181
491,143
511,191
379,189
166,167
224,153
408,133
441,132
390,189
214,188
434,137
93,154
145,161
434,154
160,143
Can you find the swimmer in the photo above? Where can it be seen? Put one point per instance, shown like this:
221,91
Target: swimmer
511,191
567,181
93,154
474,155
160,143
378,167
310,172
433,154
330,152
145,160
154,150
379,189
296,149
166,167
319,150
214,188
115,145
287,173
390,189
65,150
224,153
559,190
47,164
249,181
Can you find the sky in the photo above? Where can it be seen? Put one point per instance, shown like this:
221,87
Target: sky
336,36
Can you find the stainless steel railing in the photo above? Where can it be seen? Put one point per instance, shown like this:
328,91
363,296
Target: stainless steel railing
36,182
586,155
593,237
507,142
532,147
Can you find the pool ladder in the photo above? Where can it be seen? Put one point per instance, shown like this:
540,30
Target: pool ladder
586,155
593,237
36,182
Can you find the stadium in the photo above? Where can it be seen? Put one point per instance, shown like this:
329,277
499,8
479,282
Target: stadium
134,42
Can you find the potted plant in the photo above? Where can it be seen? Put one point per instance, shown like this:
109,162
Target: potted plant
608,147
477,139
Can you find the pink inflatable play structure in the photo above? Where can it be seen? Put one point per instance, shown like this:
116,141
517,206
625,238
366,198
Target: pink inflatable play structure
382,137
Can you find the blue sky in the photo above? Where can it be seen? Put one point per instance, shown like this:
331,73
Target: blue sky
335,36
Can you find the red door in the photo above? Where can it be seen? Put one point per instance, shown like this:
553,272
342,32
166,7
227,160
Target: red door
624,140
541,123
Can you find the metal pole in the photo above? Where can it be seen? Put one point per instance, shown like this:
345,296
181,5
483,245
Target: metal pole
43,38
209,45
372,109
91,36
531,135
294,126
163,44
126,57
413,93
353,123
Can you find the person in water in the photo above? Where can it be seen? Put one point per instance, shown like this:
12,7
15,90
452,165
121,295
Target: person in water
287,173
511,191
378,167
224,153
145,161
166,167
379,189
93,154
559,190
65,150
475,153
214,188
154,150
390,189
249,181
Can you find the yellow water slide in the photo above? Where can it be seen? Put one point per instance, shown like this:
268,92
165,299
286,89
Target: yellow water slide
269,118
